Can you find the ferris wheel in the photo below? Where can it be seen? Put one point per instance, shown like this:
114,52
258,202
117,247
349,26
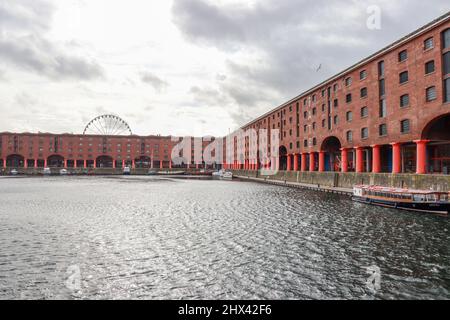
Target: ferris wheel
107,125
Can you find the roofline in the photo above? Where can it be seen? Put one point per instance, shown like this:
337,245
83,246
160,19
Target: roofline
82,135
442,19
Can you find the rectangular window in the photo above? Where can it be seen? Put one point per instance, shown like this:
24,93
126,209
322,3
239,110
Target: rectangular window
349,116
363,75
381,69
383,130
431,94
402,56
404,126
446,63
429,67
336,120
336,103
323,123
428,44
349,136
348,98
403,77
364,112
446,39
447,90
404,100
383,108
335,87
364,133
382,88
363,92
348,81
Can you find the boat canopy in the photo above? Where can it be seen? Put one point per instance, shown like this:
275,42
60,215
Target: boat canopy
397,190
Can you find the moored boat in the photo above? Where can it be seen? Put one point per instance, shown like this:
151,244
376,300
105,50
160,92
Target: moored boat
405,199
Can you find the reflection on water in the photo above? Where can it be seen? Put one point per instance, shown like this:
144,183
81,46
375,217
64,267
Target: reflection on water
152,238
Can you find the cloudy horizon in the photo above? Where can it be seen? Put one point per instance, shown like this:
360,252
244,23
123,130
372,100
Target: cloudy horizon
180,67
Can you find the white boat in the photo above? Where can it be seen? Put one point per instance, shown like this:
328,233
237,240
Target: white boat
14,172
63,172
127,171
222,174
217,174
227,175
404,199
47,172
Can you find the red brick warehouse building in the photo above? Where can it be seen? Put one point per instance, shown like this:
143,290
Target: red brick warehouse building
388,113
110,145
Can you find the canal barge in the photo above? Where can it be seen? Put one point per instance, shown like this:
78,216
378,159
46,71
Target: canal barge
405,199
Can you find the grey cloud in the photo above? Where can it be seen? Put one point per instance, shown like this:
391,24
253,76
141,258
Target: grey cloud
292,38
157,83
23,24
40,56
25,15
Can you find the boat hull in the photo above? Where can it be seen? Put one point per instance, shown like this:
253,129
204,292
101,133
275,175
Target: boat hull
435,207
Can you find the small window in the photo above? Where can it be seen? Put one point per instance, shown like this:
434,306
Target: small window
431,94
305,114
429,67
348,98
348,81
349,116
323,123
336,120
404,100
363,92
402,56
305,101
364,112
383,108
335,87
363,75
428,44
446,63
314,98
323,93
305,143
305,128
349,136
446,39
314,111
314,141
404,126
381,69
447,90
364,133
404,77
314,126
383,130
336,103
323,108
382,87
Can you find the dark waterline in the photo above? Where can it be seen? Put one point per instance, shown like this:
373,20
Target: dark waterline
153,238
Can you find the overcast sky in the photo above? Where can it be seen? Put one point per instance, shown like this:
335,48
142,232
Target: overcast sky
181,67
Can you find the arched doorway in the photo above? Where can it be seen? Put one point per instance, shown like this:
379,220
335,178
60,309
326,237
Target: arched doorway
332,148
55,161
143,162
104,162
437,132
15,161
283,158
